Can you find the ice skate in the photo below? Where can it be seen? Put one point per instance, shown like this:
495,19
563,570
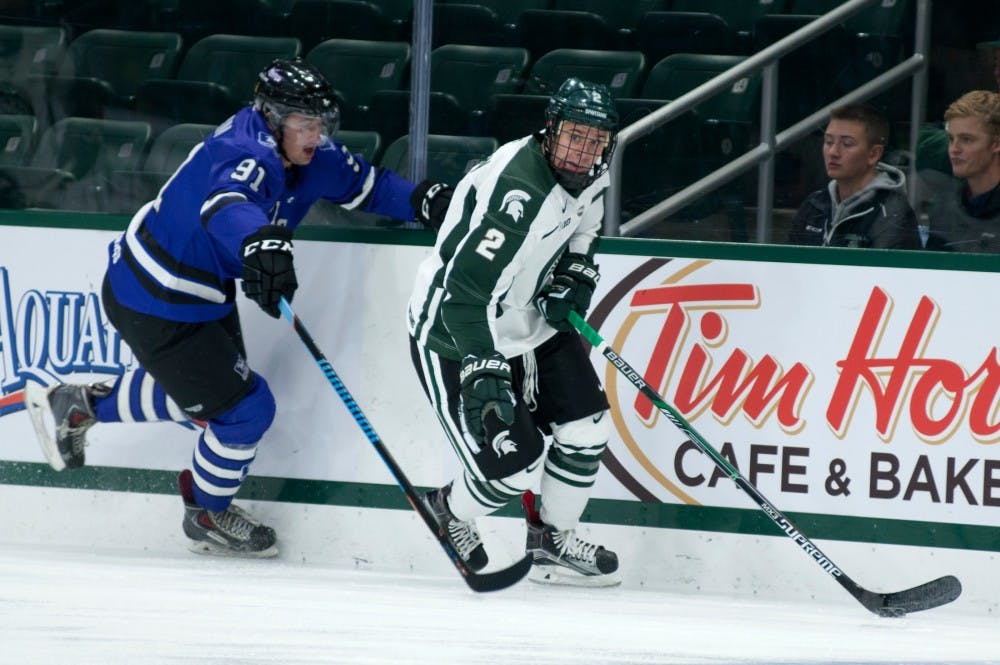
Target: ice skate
61,416
463,536
232,532
561,557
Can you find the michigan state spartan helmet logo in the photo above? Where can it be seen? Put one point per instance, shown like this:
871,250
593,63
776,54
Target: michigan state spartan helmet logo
513,203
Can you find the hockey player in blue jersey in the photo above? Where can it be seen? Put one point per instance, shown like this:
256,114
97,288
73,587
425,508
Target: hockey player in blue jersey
227,213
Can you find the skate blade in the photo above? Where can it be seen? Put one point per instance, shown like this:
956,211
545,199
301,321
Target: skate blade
36,401
211,549
560,576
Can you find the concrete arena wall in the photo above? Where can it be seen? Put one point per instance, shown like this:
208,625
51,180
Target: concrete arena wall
666,553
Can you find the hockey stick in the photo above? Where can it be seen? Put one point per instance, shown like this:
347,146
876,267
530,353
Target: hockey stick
494,581
923,597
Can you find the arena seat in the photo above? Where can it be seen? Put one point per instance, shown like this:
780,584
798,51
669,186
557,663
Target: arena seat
621,71
473,74
357,69
448,157
17,138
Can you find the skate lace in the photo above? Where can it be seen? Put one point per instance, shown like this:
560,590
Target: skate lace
572,547
464,536
233,524
76,433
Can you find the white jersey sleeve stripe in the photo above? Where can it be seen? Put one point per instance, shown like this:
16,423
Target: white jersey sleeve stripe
160,274
366,189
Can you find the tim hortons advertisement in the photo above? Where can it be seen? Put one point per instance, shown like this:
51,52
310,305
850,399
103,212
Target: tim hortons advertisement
835,389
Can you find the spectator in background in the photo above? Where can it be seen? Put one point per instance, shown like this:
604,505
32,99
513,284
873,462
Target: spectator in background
932,144
865,204
965,217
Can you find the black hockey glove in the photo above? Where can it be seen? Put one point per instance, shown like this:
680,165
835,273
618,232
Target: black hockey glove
573,282
268,271
430,203
487,396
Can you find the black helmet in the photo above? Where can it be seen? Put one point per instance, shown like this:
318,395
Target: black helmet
588,104
295,86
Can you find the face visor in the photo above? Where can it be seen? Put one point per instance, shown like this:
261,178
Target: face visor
300,121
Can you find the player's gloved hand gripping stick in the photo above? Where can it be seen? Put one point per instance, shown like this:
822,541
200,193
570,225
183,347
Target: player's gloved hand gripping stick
923,597
494,581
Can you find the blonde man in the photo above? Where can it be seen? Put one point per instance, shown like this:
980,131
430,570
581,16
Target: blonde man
966,216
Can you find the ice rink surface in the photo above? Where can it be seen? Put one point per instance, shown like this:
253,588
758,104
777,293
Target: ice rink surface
65,606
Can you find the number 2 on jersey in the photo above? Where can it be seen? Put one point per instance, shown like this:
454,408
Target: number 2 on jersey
490,243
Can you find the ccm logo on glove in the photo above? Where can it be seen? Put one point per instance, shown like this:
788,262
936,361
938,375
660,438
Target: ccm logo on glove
268,245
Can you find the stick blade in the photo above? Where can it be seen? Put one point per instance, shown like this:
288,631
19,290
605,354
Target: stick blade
923,597
500,579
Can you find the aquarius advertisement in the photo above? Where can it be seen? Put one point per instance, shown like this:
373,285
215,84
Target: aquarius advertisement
835,389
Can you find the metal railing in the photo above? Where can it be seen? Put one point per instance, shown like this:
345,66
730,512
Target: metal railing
771,141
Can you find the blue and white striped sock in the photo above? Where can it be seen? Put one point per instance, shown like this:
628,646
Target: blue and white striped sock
137,397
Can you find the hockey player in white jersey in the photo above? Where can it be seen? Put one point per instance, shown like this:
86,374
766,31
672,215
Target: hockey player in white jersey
507,375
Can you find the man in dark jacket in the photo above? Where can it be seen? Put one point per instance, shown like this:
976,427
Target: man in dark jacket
966,217
865,203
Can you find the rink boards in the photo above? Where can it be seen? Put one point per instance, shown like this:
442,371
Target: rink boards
857,389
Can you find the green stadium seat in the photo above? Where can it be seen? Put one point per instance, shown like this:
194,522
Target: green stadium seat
30,51
722,127
659,163
315,21
883,18
390,114
512,116
123,58
17,138
507,11
165,102
131,188
621,71
400,12
235,60
34,187
448,157
544,30
54,98
87,147
741,15
91,150
660,34
171,148
469,24
473,74
875,38
216,77
357,69
808,76
197,19
101,72
367,145
620,15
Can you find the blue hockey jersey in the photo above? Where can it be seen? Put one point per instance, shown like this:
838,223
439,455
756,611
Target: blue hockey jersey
180,255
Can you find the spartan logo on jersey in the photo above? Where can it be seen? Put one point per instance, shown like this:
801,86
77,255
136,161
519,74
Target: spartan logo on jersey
267,138
513,203
502,444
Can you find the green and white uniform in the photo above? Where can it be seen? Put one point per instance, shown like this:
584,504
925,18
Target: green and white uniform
508,224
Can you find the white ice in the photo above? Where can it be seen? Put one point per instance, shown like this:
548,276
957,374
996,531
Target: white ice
82,606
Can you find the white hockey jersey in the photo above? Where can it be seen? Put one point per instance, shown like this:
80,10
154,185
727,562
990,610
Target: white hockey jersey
508,224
